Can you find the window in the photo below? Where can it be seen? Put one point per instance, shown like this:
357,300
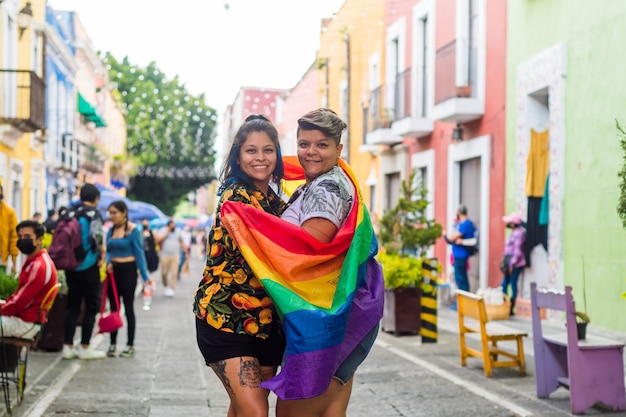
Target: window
392,187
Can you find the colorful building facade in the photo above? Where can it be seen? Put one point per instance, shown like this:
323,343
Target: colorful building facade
22,106
563,152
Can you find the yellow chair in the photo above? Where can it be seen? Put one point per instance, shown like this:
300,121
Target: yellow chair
473,307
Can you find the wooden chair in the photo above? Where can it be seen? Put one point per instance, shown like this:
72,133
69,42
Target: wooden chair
472,306
19,349
592,369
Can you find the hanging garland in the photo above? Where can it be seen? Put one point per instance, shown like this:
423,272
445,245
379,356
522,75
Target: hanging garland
179,173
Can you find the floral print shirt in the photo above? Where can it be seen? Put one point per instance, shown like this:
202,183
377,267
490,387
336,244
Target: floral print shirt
229,297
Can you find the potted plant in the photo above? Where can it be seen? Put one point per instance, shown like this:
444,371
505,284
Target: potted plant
405,235
8,284
582,319
8,353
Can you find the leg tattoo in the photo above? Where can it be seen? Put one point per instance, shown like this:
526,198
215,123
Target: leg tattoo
249,373
220,370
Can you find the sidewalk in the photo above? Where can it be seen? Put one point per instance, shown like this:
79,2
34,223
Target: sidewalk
167,378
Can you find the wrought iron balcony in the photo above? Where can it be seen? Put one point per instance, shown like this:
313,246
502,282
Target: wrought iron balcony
91,158
22,100
379,121
408,122
456,97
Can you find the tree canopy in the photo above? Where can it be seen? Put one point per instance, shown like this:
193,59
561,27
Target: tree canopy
170,133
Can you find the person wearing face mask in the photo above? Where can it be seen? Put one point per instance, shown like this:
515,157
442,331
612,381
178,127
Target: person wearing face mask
20,311
513,261
8,237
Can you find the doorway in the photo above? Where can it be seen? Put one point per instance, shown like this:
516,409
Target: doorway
469,191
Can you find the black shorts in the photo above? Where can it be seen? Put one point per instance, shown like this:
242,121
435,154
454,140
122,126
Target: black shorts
216,345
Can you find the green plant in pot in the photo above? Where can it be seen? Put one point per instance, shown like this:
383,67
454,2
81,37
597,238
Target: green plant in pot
8,284
405,236
582,319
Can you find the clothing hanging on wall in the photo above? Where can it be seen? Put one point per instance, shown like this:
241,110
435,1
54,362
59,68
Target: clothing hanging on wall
537,163
535,233
544,209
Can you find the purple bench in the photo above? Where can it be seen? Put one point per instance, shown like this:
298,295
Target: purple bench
592,369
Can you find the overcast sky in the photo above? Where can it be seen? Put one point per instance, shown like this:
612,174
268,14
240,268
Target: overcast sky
212,47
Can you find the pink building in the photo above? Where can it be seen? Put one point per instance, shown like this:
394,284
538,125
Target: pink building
440,110
302,98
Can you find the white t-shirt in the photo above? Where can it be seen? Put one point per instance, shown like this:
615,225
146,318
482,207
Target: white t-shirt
329,196
171,244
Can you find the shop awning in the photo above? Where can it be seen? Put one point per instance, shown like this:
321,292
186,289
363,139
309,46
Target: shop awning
89,111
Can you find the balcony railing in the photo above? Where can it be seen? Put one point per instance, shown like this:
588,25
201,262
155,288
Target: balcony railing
457,95
379,117
402,95
22,100
91,159
446,75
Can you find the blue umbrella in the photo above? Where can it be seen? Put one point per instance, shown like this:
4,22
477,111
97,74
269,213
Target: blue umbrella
139,210
158,222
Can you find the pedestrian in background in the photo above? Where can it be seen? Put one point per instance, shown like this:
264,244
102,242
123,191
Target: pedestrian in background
84,282
183,264
513,260
22,310
8,234
149,247
171,244
37,217
124,257
245,346
465,230
50,224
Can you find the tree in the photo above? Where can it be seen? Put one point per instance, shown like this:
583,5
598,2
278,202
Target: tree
405,228
170,133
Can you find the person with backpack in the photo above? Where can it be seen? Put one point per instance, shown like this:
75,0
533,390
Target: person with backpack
465,230
83,281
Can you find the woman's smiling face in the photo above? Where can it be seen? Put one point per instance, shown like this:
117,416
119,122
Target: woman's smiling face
317,153
257,159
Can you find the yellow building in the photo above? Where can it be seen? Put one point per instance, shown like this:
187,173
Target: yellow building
22,106
351,45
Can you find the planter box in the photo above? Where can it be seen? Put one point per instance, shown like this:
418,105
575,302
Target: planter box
402,311
51,338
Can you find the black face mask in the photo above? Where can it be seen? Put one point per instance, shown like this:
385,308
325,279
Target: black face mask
1,197
26,246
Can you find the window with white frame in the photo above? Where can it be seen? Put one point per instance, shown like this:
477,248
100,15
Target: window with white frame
424,53
392,190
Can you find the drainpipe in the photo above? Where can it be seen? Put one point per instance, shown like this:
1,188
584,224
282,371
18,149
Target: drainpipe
346,38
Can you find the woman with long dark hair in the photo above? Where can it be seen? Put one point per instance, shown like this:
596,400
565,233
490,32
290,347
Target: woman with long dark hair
236,324
125,256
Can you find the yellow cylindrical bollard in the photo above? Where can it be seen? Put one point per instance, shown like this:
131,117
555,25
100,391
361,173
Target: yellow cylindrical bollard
430,278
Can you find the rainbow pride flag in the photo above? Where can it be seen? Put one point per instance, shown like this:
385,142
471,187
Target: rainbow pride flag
328,295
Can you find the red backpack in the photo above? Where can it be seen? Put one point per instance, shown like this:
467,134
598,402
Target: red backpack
66,249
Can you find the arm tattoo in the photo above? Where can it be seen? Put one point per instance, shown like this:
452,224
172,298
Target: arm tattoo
249,373
220,370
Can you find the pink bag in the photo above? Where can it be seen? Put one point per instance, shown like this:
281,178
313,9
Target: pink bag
112,321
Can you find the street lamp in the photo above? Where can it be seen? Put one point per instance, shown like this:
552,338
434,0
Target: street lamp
24,18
